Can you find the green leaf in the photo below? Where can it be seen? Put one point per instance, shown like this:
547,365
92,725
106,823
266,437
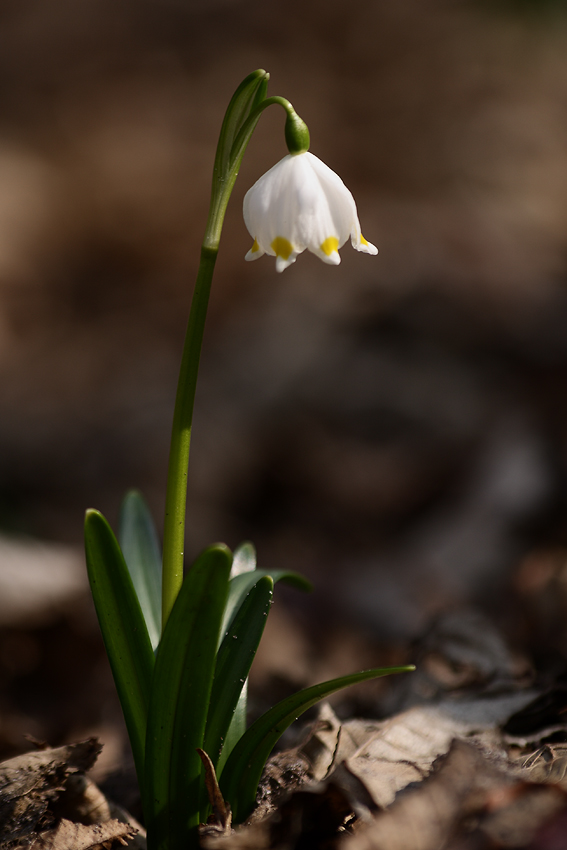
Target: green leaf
140,546
233,664
239,780
241,585
244,576
123,629
237,726
179,703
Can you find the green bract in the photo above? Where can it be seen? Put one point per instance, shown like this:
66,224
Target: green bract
180,649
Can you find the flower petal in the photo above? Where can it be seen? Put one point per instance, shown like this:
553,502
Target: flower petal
282,263
255,252
328,251
338,200
361,244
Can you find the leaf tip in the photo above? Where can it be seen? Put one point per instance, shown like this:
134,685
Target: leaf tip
91,514
220,551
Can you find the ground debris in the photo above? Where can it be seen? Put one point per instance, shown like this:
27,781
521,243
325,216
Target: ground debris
47,803
425,816
76,836
284,772
220,821
310,818
465,790
416,781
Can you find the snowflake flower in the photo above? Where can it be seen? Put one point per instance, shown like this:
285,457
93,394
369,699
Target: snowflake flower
301,204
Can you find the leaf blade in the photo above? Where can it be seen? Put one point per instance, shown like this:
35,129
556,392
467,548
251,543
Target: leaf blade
140,547
239,780
123,629
241,585
179,701
233,663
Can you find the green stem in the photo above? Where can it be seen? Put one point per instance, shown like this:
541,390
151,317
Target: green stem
296,132
176,495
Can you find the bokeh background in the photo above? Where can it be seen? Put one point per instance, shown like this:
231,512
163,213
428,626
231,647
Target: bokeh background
395,428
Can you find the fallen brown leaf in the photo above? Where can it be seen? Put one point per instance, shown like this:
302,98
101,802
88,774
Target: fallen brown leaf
76,836
31,782
46,802
425,817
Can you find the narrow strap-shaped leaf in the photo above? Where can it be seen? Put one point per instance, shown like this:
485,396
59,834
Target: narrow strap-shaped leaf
243,576
123,629
240,587
140,546
242,771
179,702
234,660
237,726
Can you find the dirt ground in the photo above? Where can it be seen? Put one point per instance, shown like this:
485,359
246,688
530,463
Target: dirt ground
394,428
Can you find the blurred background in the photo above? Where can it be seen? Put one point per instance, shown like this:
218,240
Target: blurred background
394,428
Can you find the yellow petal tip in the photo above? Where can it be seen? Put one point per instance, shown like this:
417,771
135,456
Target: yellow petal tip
365,246
282,247
330,245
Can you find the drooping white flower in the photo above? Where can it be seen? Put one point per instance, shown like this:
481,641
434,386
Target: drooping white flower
301,204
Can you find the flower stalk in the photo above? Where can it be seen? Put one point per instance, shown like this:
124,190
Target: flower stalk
176,494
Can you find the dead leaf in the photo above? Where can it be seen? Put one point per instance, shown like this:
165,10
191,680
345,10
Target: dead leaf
76,836
47,802
82,801
31,782
220,821
464,783
402,750
331,741
426,816
286,771
547,764
309,818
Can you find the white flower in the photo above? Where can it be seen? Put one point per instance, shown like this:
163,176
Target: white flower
300,203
